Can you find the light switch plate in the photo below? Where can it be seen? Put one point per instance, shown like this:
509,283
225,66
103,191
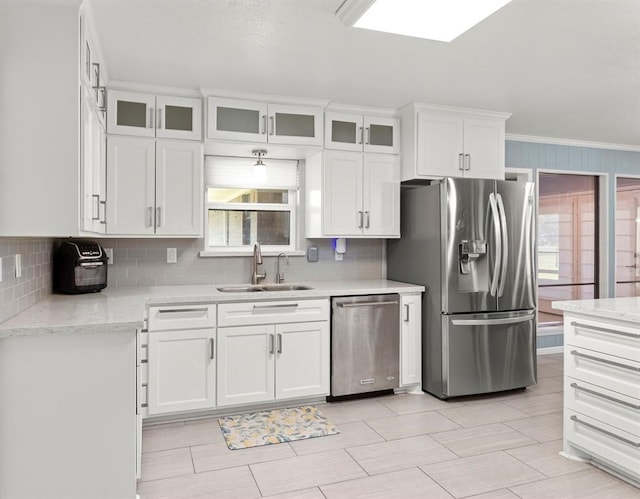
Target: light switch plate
18,265
172,255
109,253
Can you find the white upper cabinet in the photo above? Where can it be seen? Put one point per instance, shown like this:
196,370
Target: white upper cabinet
356,132
253,121
440,141
147,115
353,195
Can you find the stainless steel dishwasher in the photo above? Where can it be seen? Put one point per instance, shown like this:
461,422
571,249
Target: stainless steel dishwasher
365,343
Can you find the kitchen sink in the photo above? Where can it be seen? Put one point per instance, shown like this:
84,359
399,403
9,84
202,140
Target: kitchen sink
265,287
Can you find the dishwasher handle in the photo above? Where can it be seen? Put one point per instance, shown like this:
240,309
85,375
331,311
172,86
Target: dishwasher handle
367,304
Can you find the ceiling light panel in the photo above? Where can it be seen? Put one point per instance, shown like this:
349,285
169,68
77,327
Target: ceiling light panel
441,20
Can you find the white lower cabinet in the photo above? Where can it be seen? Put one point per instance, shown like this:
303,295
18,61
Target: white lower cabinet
410,339
602,393
275,361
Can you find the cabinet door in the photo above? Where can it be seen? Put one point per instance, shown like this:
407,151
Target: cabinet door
93,167
178,118
236,119
381,135
381,195
181,371
343,131
246,356
342,213
131,113
302,359
295,125
484,145
130,185
440,145
410,339
179,188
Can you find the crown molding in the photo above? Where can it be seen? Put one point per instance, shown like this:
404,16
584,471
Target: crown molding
571,142
351,10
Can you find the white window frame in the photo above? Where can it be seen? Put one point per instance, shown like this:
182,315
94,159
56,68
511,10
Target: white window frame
266,249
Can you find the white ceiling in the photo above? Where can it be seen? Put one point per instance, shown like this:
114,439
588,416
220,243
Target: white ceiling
566,69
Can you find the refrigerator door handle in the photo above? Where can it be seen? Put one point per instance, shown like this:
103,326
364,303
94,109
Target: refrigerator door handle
504,243
492,322
498,244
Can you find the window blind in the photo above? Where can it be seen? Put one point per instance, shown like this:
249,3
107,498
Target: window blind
224,171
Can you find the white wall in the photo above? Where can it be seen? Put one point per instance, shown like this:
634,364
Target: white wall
39,118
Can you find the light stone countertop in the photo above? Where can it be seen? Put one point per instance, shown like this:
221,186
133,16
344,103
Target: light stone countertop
123,309
623,309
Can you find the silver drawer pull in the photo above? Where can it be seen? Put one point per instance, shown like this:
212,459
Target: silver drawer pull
367,304
605,361
604,330
606,432
146,390
606,397
267,307
181,310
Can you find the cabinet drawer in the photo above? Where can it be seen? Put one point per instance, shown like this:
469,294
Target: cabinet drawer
604,442
175,317
605,405
613,373
608,337
272,312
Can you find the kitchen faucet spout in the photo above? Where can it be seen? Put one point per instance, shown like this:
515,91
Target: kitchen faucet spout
279,275
257,260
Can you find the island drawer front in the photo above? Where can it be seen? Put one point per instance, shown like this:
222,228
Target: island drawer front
272,312
188,316
605,405
613,373
604,336
603,442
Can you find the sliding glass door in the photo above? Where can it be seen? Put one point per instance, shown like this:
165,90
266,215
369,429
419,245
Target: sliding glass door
627,236
567,242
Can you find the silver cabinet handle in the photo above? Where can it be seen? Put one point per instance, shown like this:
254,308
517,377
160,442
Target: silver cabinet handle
461,162
604,330
606,397
368,224
360,223
159,121
271,125
279,343
181,310
264,124
271,343
103,218
146,395
95,207
368,135
211,348
151,116
406,312
159,216
468,161
605,361
150,216
277,307
102,104
605,432
367,304
361,135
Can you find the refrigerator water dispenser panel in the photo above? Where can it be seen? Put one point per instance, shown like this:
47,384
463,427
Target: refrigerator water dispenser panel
473,275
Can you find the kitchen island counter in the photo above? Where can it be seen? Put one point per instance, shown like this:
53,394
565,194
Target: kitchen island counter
123,308
624,309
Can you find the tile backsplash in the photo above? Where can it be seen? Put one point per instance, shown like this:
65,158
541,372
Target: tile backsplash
143,262
19,293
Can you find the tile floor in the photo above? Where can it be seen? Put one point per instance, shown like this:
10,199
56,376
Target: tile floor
399,446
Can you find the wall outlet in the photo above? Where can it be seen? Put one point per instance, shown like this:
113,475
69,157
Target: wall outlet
109,253
18,265
172,255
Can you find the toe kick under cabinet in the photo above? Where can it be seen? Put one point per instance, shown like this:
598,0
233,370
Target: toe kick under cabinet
602,393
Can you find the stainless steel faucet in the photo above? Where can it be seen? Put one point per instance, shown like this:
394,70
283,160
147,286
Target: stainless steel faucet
257,260
279,275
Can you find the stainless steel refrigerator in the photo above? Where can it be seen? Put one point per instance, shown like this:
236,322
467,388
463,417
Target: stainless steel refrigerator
470,242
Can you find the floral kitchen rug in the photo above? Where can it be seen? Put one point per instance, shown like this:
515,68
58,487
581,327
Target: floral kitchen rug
274,427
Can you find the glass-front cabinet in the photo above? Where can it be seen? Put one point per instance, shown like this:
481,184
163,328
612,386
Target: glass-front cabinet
233,119
355,132
160,116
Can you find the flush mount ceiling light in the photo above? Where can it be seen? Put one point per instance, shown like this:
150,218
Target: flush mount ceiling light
442,20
